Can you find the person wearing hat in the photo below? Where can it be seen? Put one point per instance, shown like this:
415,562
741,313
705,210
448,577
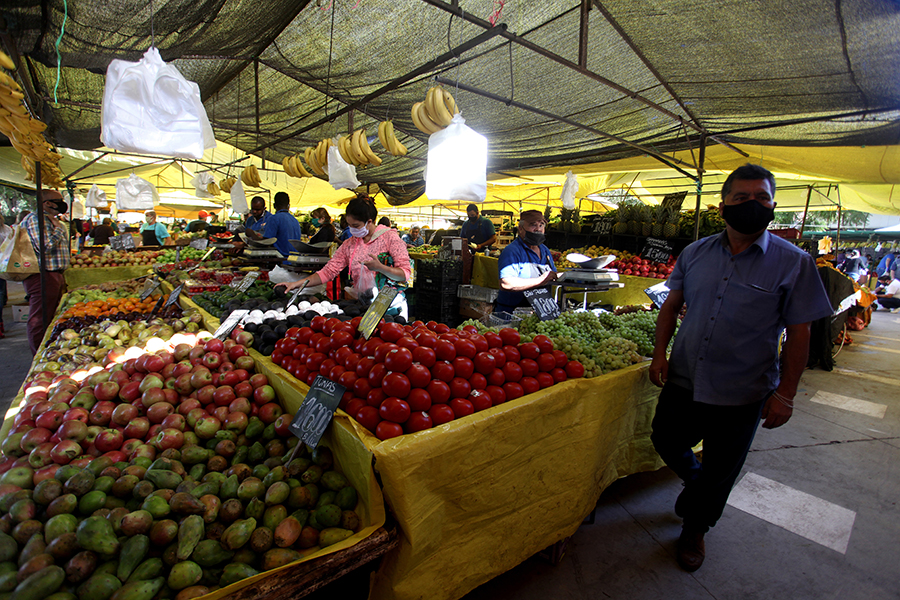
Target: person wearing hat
57,256
154,233
478,230
200,224
525,263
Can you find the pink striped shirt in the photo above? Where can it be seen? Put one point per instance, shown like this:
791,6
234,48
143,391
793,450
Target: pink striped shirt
354,252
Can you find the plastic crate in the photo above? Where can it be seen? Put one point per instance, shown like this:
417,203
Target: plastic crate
439,270
436,285
476,292
443,308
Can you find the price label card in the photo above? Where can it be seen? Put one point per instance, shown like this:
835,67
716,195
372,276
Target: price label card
657,293
229,324
657,250
150,286
603,226
316,411
245,283
156,308
173,297
372,317
199,243
542,303
675,200
122,242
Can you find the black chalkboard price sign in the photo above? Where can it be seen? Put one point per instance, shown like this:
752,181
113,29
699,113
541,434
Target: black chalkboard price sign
316,411
657,250
542,303
603,225
122,242
657,293
173,297
379,306
150,286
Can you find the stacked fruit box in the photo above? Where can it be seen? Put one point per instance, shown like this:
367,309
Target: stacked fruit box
436,285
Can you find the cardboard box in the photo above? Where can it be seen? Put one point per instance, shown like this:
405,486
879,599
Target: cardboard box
19,313
474,309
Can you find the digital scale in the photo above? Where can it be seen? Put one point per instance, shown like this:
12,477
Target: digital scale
308,258
591,277
594,276
260,250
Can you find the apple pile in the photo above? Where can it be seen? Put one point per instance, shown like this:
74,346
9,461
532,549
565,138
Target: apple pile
169,470
406,378
641,267
116,258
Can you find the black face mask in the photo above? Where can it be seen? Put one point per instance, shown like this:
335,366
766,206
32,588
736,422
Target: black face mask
748,217
475,218
534,239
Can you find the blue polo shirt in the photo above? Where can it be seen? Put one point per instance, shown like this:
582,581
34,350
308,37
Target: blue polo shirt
416,243
518,260
726,349
478,232
258,224
283,226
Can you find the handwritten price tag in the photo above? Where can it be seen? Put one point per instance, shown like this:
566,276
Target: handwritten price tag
373,316
317,410
542,303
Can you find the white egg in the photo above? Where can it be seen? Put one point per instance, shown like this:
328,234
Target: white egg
304,305
256,314
326,304
281,316
292,310
270,314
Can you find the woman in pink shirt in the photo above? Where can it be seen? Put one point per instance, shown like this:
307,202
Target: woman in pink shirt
360,252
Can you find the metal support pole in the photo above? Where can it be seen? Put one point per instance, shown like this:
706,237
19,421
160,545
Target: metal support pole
583,33
41,241
805,211
700,187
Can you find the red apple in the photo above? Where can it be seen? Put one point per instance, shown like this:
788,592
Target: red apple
187,405
206,394
65,451
72,430
269,412
243,390
152,396
109,439
108,390
76,414
258,380
223,395
174,421
160,411
130,391
137,428
241,405
195,415
51,420
201,378
169,438
151,380
236,421
263,395
207,427
40,456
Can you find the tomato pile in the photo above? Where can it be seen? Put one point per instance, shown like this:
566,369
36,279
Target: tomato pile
641,267
406,378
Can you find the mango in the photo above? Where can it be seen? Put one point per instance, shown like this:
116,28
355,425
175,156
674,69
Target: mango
256,508
64,547
334,481
333,535
8,547
81,566
346,498
156,506
40,585
162,533
101,586
234,572
278,557
80,483
136,523
190,532
134,551
211,505
273,516
287,532
184,574
67,503
261,539
238,533
149,569
34,565
163,479
185,504
34,546
210,553
47,491
139,590
329,515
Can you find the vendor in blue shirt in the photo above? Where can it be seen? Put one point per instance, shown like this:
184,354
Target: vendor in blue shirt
525,263
413,239
478,230
282,226
256,221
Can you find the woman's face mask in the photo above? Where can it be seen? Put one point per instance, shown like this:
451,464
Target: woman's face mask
359,231
316,222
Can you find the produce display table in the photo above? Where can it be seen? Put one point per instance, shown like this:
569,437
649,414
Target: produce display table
485,272
96,275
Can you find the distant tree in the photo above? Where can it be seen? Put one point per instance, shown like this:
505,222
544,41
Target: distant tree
824,219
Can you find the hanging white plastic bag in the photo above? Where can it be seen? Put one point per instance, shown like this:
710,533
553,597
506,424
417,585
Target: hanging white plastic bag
201,182
135,193
148,106
341,174
238,198
457,163
570,188
96,198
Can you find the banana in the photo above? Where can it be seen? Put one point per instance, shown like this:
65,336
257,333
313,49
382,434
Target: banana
226,184
37,126
437,110
371,157
355,150
313,162
286,166
430,125
342,150
403,149
307,156
393,143
414,113
213,189
298,166
449,102
6,62
256,178
382,138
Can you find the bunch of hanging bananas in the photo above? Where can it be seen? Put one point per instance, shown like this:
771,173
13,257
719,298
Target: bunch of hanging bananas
355,150
317,158
213,189
389,140
250,176
293,167
226,184
436,112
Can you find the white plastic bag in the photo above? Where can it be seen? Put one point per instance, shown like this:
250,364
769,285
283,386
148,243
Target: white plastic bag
148,106
96,198
201,183
570,188
340,173
239,198
135,193
457,163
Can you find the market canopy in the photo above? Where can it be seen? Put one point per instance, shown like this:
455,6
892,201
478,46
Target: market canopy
553,84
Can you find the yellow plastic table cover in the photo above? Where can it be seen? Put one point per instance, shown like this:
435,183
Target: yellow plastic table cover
96,275
485,272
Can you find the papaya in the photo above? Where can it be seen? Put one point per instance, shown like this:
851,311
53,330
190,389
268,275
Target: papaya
210,553
190,532
134,551
238,533
101,586
40,585
139,590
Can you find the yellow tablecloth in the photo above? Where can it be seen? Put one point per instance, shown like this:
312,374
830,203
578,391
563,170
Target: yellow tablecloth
96,275
485,273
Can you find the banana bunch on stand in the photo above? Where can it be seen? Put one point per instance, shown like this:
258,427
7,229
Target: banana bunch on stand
250,177
389,140
317,158
293,167
226,184
355,149
436,112
213,189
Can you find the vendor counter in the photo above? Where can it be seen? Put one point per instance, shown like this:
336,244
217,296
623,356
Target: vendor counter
96,275
486,273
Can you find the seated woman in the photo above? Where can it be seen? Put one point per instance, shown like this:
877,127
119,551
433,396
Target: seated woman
322,220
373,252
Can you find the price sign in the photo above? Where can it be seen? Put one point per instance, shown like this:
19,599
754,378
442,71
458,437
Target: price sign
603,226
199,243
316,411
674,200
542,303
173,297
372,317
657,293
657,250
244,284
156,308
229,324
150,286
122,242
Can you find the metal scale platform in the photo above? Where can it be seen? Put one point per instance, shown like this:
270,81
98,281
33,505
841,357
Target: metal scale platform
260,250
590,277
308,258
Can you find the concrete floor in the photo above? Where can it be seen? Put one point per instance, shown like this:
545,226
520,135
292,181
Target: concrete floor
829,527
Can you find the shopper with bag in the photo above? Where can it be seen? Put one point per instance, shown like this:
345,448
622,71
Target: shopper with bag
56,255
5,232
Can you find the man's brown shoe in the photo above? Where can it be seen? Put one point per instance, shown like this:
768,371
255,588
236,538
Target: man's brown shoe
691,550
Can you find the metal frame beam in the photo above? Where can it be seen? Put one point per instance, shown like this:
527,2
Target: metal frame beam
583,33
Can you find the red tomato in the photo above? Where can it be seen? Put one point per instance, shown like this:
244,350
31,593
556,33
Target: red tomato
315,361
512,354
298,350
465,347
277,356
418,399
310,377
499,356
470,329
463,367
441,328
529,350
318,323
327,365
545,379
439,392
485,363
367,416
431,325
427,339
494,340
543,343
394,409
340,357
424,356
330,323
336,371
480,400
529,384
445,350
496,377
512,372
303,335
315,337
481,344
390,332
443,370
478,381
407,342
375,397
418,421
354,405
340,339
546,362
459,388
561,358
396,384
498,395
450,337
398,359
419,376
359,344
513,390
370,346
361,387
574,369
387,430
440,414
364,366
352,361
376,375
382,351
292,333
559,375
300,372
347,379
461,407
510,336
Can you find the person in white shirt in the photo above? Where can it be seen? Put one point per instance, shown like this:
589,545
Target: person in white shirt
889,298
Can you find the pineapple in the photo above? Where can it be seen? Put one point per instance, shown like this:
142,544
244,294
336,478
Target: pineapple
659,219
621,226
673,224
646,221
634,224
